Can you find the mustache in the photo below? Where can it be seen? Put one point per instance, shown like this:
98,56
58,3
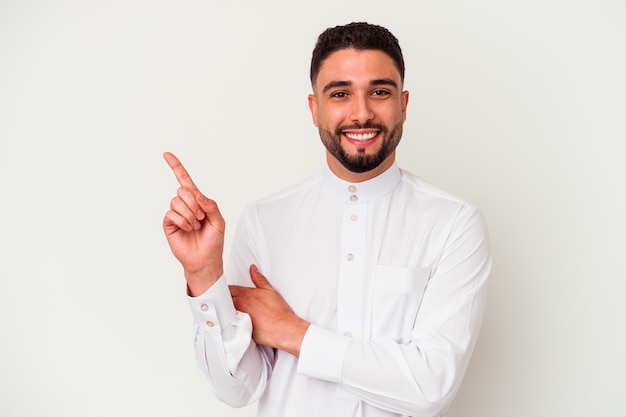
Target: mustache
366,125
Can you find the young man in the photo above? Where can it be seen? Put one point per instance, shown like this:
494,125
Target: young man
360,291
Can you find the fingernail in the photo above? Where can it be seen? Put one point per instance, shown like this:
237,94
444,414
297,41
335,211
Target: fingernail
200,214
196,225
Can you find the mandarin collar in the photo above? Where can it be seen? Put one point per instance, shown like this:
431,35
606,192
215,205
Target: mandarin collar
355,192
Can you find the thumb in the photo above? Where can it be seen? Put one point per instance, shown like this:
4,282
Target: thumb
258,279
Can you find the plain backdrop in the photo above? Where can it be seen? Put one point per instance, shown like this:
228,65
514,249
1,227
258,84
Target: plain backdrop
517,106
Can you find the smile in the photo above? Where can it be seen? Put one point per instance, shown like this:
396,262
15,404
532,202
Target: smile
361,137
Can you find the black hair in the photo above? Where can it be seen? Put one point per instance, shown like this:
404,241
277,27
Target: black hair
356,35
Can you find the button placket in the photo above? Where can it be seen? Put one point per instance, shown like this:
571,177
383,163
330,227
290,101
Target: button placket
351,267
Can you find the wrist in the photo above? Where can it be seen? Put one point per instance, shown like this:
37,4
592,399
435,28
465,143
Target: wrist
201,280
292,340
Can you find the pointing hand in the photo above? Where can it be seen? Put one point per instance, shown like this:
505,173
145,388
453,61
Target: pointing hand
194,229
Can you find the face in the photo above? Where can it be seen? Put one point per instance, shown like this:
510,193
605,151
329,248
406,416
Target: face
359,107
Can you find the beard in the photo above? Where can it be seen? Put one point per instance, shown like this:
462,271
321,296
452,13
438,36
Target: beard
361,162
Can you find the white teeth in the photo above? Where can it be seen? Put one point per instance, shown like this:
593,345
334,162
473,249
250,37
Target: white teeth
361,136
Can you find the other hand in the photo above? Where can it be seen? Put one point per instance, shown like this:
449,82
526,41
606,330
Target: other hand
273,322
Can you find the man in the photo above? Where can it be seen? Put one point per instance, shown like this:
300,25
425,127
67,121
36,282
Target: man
358,292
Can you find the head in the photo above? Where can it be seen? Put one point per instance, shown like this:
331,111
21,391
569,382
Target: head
358,102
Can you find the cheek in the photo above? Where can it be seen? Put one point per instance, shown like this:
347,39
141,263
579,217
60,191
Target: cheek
331,117
393,116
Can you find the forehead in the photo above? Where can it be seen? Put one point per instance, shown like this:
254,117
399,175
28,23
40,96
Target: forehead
357,65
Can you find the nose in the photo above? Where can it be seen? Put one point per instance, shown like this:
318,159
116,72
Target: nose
361,111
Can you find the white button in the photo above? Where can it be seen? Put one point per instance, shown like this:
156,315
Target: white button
354,217
347,334
348,295
352,188
354,198
210,323
349,256
204,307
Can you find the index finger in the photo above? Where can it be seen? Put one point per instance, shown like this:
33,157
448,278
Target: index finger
182,176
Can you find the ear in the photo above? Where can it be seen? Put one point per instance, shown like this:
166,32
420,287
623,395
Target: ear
313,103
404,103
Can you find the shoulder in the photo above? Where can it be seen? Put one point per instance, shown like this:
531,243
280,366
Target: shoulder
424,188
433,201
429,193
287,196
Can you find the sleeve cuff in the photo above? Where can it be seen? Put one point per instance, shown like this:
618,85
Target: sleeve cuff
214,309
322,354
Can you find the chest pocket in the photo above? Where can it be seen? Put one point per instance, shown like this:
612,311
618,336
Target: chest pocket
397,296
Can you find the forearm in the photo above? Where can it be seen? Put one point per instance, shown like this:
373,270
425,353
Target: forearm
418,378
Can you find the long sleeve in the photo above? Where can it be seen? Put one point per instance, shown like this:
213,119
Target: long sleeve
421,376
235,367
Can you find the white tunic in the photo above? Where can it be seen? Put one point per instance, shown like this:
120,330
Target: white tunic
391,273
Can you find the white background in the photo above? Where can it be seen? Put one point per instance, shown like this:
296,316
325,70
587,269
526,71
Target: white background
516,106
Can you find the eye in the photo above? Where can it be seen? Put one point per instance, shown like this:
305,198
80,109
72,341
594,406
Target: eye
339,94
380,93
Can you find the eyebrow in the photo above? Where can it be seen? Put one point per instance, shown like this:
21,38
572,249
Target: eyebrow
377,82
